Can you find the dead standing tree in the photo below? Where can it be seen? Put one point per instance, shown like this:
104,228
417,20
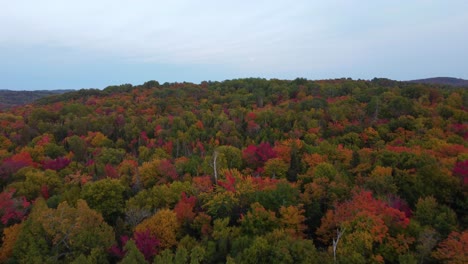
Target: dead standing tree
339,233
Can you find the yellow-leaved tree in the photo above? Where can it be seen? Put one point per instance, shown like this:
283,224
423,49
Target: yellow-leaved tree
163,225
10,235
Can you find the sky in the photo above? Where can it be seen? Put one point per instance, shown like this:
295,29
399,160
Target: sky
56,44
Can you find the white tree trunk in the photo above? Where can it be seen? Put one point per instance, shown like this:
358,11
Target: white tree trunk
215,169
339,233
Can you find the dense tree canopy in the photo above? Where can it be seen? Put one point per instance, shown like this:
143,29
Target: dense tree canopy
239,171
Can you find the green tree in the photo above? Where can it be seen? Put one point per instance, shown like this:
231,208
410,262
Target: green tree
110,156
106,196
258,221
430,213
133,255
160,196
78,147
35,181
276,168
166,256
278,247
62,234
232,155
222,204
54,151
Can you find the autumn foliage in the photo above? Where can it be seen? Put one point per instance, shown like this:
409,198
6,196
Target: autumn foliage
239,171
454,249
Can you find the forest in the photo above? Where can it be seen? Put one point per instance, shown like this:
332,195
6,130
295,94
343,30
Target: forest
238,171
10,98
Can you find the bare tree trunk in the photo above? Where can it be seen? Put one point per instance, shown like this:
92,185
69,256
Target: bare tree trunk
215,169
339,233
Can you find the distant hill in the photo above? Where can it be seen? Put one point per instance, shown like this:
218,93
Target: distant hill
10,98
443,81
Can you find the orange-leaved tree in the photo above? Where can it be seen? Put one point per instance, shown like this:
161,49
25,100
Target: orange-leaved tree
364,223
163,225
454,249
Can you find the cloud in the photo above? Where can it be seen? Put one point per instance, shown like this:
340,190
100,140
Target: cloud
169,31
265,37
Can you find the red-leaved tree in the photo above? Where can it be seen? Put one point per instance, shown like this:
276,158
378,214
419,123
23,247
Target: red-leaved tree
461,170
256,156
184,208
12,209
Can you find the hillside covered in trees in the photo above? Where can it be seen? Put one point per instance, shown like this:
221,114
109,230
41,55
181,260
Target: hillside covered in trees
443,81
10,98
239,171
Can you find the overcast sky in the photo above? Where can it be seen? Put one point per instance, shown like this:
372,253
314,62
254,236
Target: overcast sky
57,44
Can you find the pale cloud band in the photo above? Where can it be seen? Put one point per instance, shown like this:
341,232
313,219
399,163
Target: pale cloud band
331,38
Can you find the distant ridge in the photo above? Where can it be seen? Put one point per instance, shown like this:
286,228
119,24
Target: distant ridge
443,81
9,98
